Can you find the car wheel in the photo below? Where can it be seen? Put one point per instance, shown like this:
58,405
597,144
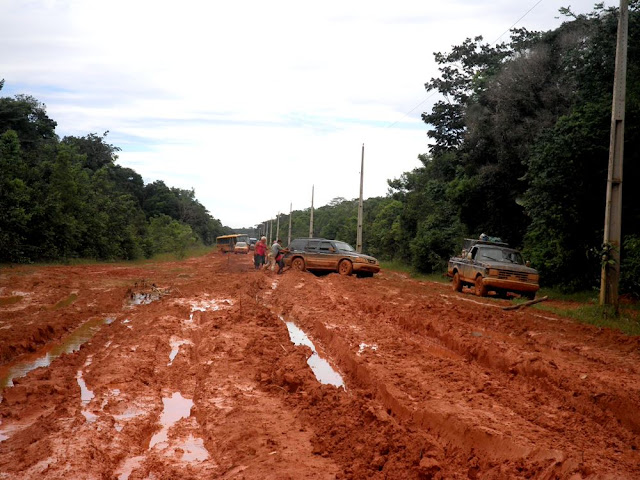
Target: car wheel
345,267
298,264
481,288
457,283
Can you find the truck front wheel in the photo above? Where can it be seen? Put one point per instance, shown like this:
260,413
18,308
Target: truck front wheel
480,287
457,283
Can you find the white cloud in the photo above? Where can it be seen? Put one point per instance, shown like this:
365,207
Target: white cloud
249,102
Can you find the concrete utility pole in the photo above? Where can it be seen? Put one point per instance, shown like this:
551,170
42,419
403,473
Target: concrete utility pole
613,209
289,236
311,218
277,226
360,206
270,230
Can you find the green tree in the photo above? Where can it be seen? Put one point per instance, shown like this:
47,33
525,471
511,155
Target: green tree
15,199
28,118
169,235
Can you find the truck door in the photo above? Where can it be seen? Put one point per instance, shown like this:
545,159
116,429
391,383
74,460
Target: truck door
468,269
327,259
311,254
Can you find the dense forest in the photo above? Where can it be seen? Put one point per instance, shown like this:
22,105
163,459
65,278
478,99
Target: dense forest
520,143
67,198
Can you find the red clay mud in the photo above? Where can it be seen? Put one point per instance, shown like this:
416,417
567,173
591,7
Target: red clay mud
189,372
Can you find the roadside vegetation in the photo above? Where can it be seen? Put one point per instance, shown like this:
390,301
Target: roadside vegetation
585,308
67,199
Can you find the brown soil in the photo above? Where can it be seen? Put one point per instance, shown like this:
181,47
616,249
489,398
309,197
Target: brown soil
438,384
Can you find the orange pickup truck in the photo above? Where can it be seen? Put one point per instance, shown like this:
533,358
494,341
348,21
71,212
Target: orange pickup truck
493,266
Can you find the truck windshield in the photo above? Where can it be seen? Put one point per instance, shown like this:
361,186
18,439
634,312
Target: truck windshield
500,255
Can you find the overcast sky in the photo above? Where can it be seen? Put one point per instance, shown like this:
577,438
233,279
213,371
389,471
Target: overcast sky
251,102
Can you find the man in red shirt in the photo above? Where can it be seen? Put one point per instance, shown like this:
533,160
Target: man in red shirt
260,253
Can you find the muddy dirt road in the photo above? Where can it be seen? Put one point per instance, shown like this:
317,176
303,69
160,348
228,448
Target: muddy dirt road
187,370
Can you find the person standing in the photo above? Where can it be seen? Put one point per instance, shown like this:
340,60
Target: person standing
277,252
260,253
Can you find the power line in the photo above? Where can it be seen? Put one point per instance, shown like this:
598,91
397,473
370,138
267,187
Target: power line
517,21
495,41
407,113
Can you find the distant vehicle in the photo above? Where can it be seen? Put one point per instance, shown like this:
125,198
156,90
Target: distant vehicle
493,266
252,243
227,243
241,247
320,254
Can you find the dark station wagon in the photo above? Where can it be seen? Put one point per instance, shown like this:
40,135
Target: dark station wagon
320,254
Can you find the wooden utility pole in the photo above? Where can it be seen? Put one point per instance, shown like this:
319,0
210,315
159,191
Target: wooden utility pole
613,208
360,206
289,236
311,218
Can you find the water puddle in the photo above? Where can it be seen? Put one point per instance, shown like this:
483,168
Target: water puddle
321,368
86,395
193,449
9,300
175,408
127,468
175,348
90,417
64,303
364,346
205,305
143,298
5,433
43,358
213,304
127,415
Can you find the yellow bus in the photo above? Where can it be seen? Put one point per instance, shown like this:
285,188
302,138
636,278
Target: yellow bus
227,243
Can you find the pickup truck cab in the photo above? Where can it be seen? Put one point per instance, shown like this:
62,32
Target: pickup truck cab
493,266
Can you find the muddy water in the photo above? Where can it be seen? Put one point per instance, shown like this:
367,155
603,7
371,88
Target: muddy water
175,348
175,408
86,395
128,467
143,298
321,368
44,357
9,300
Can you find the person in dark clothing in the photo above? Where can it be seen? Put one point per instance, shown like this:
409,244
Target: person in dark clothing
277,253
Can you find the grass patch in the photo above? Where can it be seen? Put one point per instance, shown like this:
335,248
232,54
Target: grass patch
585,308
397,266
603,317
580,297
